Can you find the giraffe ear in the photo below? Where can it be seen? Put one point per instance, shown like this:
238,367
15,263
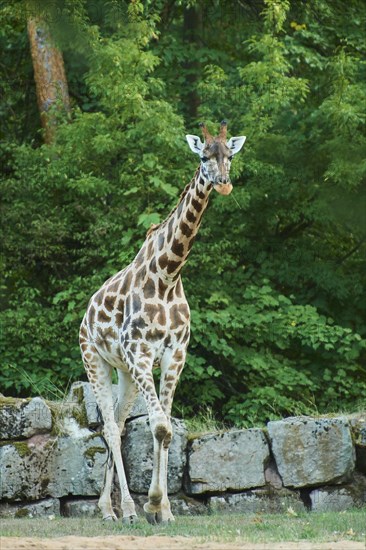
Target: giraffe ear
236,143
195,143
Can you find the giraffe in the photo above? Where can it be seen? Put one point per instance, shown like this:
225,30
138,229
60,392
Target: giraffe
140,318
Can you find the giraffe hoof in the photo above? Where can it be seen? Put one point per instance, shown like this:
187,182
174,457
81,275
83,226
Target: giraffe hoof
151,518
110,517
164,519
129,520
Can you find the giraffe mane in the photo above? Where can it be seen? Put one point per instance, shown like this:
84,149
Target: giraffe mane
154,226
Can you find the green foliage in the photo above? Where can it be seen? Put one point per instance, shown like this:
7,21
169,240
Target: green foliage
276,279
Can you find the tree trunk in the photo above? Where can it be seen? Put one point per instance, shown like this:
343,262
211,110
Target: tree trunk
191,25
49,75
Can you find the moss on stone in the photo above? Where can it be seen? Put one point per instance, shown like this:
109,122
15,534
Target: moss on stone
79,394
22,513
58,413
13,401
79,413
45,483
91,452
94,435
20,446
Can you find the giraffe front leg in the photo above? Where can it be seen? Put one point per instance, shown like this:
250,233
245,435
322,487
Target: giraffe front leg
154,508
172,365
127,392
140,364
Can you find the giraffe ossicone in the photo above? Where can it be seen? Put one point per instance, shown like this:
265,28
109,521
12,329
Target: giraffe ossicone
140,319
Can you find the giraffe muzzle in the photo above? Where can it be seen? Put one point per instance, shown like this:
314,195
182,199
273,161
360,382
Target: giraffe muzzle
223,188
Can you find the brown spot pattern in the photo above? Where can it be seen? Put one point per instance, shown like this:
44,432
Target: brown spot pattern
114,286
150,250
191,243
109,302
136,303
184,310
161,241
119,319
140,276
162,317
149,289
126,282
163,261
98,298
170,229
173,266
190,217
175,317
171,295
151,311
178,356
136,333
152,266
179,289
196,205
162,288
177,248
185,229
154,335
91,316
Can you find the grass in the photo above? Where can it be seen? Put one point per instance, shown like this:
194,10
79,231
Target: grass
319,527
204,422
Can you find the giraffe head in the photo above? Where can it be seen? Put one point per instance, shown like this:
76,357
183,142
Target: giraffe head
216,154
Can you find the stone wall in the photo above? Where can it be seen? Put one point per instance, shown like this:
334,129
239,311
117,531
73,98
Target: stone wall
52,458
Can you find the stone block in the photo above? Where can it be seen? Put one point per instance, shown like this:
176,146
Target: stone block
86,508
358,427
340,499
82,394
137,450
257,501
233,460
71,464
77,462
43,508
23,418
24,467
312,451
272,476
180,504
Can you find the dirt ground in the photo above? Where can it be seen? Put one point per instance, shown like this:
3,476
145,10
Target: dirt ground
161,543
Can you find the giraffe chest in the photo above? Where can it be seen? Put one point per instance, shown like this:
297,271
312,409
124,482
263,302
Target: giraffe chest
157,321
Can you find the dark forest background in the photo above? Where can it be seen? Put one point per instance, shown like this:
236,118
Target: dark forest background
276,279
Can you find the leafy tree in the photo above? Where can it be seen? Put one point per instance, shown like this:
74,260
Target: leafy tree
276,278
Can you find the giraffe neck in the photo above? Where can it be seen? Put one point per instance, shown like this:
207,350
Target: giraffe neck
175,236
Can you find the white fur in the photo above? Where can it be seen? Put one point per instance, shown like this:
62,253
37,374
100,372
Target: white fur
236,143
195,144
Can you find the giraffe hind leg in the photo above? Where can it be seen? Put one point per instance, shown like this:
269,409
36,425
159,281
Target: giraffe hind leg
100,375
